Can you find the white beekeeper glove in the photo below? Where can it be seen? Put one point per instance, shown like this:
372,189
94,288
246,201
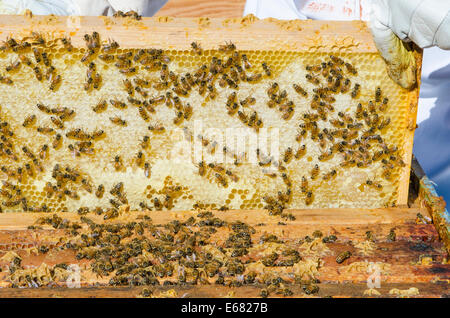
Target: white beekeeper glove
424,22
80,7
57,7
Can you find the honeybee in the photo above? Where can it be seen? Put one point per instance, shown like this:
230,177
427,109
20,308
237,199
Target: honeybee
118,121
384,104
139,55
101,106
29,120
37,73
337,123
43,152
179,91
196,48
100,191
25,60
56,144
201,169
118,165
288,113
227,47
37,55
384,123
212,92
6,80
5,193
300,152
161,98
187,111
155,65
314,68
110,46
234,177
304,184
157,204
118,104
45,130
248,101
374,184
247,64
315,172
134,101
87,55
300,90
57,122
147,170
128,86
309,198
123,64
29,170
141,82
351,69
301,134
378,94
312,79
156,128
329,175
185,84
49,72
97,134
287,155
345,117
231,99
178,118
286,179
266,69
54,81
141,92
45,59
67,44
243,117
27,152
356,90
86,185
143,113
128,71
254,77
234,75
232,83
232,109
221,180
95,40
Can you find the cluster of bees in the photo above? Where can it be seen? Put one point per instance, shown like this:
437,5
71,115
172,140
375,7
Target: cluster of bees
129,14
41,65
354,137
178,253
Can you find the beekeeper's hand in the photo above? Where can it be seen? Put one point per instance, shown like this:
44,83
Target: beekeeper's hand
394,22
80,7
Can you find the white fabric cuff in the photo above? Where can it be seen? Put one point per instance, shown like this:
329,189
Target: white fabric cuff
430,23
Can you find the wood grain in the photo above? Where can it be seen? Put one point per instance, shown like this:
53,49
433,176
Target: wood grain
202,8
402,260
326,217
179,33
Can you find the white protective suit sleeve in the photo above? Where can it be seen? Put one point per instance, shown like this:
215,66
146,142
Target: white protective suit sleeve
80,7
424,22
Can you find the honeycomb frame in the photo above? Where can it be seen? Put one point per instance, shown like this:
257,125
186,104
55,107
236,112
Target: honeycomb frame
301,41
